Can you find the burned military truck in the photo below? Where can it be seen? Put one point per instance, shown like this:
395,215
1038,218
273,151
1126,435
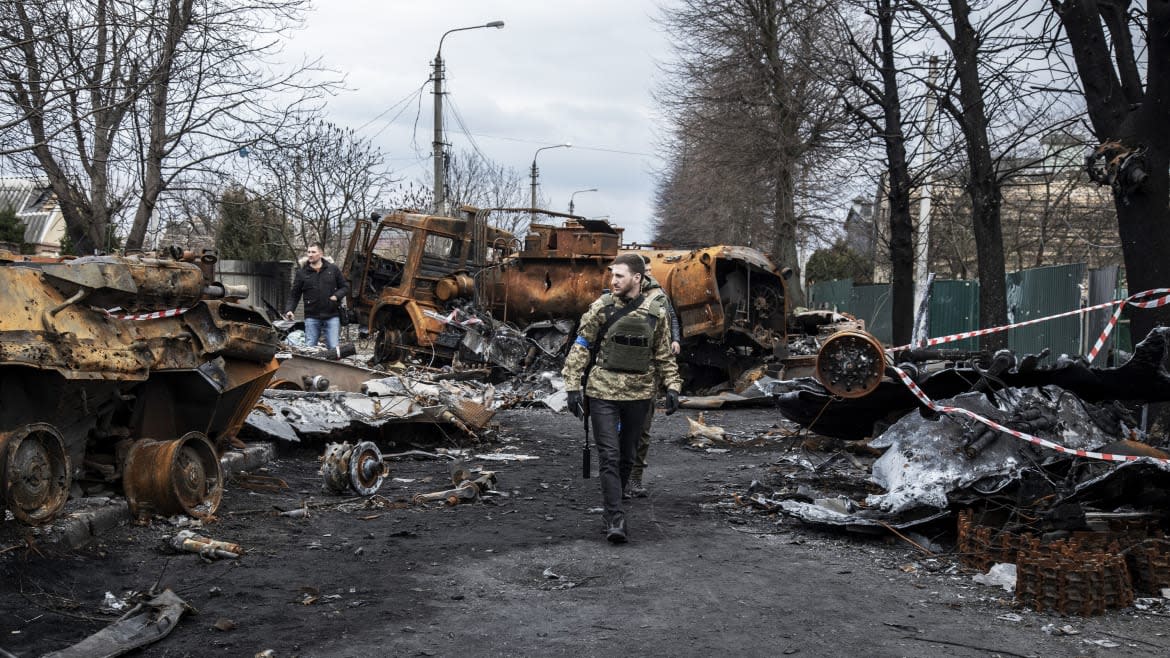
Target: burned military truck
441,287
123,371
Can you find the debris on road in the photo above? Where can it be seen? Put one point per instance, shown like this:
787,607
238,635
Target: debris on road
359,468
465,491
146,623
189,542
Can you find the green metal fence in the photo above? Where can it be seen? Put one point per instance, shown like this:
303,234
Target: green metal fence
954,308
835,295
871,303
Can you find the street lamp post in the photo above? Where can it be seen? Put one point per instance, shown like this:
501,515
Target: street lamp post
592,189
535,172
440,192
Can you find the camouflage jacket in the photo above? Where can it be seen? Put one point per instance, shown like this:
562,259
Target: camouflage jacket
652,289
609,385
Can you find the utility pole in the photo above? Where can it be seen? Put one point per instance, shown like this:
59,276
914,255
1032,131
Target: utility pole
440,191
574,194
536,172
922,277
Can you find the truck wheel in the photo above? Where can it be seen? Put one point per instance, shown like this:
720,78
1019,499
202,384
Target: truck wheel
34,473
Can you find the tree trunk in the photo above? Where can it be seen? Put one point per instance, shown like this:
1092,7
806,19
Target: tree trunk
784,232
983,185
901,225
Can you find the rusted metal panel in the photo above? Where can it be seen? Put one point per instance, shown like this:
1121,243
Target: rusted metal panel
268,282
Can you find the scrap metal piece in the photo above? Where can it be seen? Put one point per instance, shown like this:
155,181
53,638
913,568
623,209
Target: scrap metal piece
173,477
145,624
34,473
189,542
851,364
467,491
357,467
303,369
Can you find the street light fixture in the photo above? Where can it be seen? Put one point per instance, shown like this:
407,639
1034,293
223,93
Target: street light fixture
437,77
535,172
592,189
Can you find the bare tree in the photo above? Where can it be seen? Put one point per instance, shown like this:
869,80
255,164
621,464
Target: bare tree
114,100
986,91
749,89
322,177
476,181
1113,43
879,110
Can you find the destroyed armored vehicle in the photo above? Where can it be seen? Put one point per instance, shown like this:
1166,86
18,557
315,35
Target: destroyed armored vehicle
123,372
446,287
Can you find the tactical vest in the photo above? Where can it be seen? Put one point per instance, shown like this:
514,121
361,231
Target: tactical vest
628,345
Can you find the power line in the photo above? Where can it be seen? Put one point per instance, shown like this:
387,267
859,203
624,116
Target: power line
575,146
402,102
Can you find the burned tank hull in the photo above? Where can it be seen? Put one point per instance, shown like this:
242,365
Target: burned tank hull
731,301
98,354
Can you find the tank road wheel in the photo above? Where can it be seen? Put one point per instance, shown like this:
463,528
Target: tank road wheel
851,364
34,473
173,477
359,467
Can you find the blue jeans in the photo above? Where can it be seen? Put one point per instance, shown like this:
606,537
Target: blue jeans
332,331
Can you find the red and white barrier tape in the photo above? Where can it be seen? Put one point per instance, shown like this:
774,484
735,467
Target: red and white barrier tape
1023,436
169,313
1145,299
1162,300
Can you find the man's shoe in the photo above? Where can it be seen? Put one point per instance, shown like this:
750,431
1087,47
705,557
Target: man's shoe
616,533
634,489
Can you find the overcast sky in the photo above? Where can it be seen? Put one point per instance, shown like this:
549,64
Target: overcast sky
567,71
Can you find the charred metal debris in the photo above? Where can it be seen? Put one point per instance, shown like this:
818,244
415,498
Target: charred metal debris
123,373
1062,484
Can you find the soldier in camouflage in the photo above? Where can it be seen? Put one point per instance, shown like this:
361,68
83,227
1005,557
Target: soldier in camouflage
622,350
652,290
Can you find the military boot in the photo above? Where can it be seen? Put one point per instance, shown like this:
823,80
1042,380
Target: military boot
616,533
634,488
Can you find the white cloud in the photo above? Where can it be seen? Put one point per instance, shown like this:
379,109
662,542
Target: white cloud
572,71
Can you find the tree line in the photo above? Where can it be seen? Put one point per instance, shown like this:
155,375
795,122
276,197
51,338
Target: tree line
181,116
771,106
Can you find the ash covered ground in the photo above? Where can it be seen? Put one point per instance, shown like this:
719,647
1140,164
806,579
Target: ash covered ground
528,571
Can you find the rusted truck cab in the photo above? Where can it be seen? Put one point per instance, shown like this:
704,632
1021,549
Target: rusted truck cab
405,267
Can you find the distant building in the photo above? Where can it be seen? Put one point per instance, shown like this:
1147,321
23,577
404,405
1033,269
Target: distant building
1051,214
859,228
35,205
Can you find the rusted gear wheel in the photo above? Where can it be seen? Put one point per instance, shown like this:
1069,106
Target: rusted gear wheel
366,468
357,467
851,364
34,473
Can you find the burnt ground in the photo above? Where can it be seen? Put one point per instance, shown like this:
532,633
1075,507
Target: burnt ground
408,580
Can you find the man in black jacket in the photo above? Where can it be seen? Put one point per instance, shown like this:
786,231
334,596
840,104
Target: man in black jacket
323,287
